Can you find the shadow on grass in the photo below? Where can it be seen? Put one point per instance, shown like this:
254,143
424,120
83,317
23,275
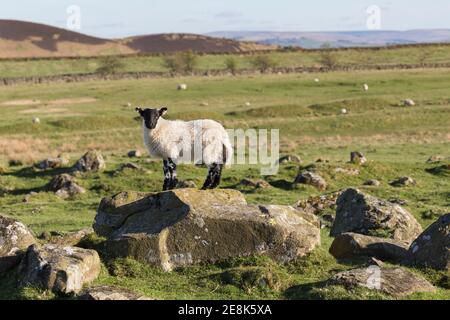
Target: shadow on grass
304,291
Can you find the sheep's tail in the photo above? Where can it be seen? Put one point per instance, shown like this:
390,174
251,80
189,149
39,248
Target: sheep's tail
227,153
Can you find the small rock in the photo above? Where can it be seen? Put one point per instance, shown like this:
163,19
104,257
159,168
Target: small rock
357,158
111,293
248,104
361,213
366,87
397,282
372,183
71,238
312,179
36,121
316,80
186,184
432,247
204,104
409,103
258,184
403,182
436,159
292,158
91,161
15,238
62,269
344,111
182,86
316,205
52,163
134,154
350,245
322,160
64,186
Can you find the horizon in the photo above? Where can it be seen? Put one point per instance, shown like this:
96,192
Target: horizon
140,17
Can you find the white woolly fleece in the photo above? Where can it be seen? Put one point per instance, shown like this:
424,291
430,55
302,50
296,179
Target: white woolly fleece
170,139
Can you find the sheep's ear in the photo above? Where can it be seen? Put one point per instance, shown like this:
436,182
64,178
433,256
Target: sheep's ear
162,111
139,110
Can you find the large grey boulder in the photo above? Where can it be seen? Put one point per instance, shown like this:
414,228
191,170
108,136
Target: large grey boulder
15,238
361,213
189,226
397,282
111,293
90,161
62,269
349,245
432,247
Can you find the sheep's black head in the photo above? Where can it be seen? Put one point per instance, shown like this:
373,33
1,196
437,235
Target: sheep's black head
151,116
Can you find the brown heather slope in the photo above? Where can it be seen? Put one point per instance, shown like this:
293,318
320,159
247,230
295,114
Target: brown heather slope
20,39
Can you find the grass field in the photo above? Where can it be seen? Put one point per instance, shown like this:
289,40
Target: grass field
93,115
407,55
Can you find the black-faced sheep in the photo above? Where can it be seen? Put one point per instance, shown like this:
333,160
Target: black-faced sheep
198,142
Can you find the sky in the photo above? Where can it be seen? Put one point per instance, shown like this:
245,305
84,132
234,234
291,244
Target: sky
118,18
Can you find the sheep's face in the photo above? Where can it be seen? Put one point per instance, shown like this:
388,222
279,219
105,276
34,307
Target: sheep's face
151,116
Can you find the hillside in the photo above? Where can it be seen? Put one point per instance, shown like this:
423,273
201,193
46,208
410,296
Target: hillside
311,40
19,39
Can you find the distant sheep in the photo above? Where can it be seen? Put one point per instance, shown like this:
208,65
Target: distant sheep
36,120
182,86
366,87
174,140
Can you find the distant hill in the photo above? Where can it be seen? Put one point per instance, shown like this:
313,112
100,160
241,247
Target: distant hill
20,39
310,40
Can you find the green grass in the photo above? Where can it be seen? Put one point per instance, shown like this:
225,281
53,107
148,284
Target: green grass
408,55
397,141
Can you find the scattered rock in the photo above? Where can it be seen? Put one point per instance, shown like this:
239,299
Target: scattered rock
361,213
357,158
372,183
350,245
322,160
189,226
292,158
65,186
71,238
348,172
91,161
111,293
62,269
52,163
182,86
204,104
316,205
403,182
182,184
134,154
15,238
316,80
408,103
436,159
257,184
248,104
432,247
311,179
397,282
344,111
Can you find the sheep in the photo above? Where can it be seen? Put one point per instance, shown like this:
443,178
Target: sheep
366,87
182,86
173,141
36,120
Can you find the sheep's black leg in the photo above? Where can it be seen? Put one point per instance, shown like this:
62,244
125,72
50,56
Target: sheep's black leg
173,174
217,175
167,175
213,178
170,175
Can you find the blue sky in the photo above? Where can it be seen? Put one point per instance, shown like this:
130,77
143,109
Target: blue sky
118,18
